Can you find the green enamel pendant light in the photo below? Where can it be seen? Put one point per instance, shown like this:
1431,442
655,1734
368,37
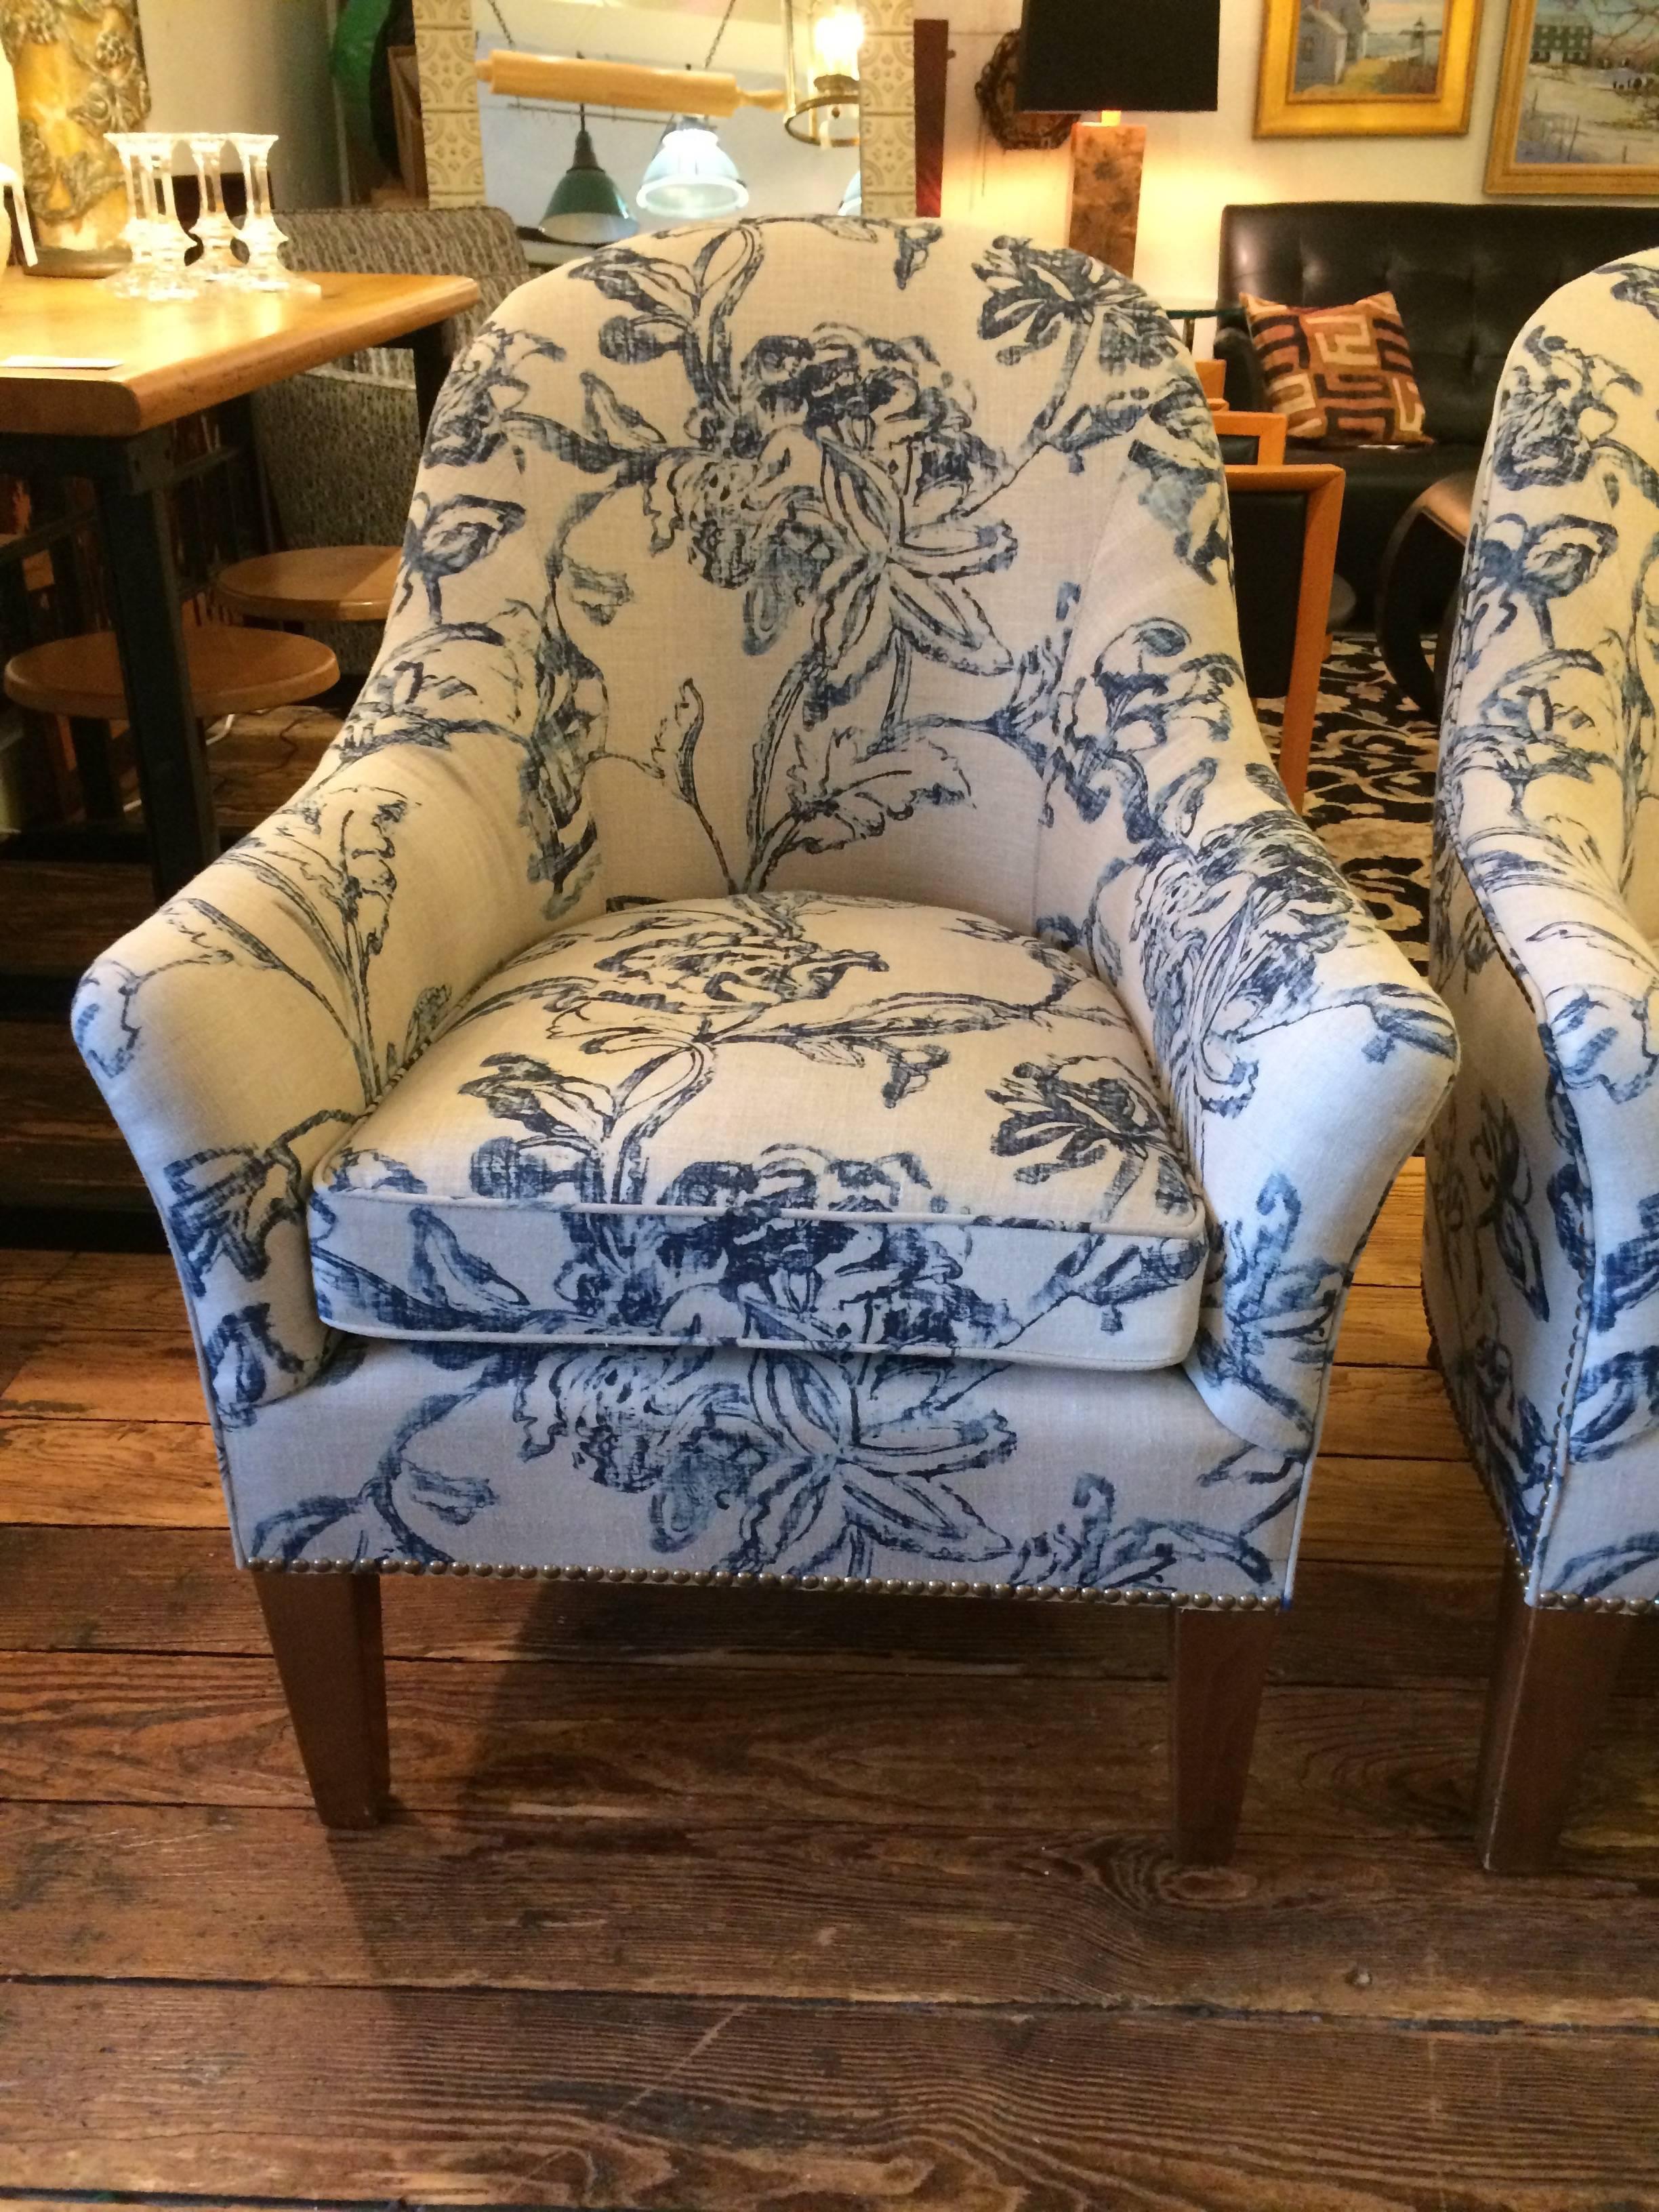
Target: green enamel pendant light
585,209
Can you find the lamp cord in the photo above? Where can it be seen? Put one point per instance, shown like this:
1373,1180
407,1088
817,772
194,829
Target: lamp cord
715,44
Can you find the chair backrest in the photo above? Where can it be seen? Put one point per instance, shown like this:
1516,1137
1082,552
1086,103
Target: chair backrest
1250,437
1466,276
481,243
1552,714
818,501
341,444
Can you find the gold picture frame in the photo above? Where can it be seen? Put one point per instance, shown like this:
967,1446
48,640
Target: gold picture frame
1565,92
1415,81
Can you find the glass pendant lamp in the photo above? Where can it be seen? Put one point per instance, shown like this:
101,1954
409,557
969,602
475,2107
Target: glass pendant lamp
691,176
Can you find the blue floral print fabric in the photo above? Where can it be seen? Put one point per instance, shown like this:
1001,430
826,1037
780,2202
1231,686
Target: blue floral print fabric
867,585
766,1462
1541,1266
784,1119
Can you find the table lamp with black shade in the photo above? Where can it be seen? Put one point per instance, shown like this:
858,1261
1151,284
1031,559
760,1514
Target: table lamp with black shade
1093,58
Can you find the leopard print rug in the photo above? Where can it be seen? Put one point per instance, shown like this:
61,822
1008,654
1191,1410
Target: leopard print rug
1371,787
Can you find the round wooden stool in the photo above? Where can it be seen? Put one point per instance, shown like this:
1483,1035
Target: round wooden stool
312,583
233,671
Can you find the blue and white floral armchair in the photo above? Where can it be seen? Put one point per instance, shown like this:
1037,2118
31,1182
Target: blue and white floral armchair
793,1033
1541,1262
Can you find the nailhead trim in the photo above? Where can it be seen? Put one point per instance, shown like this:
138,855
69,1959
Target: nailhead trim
1561,1600
724,1578
1576,1602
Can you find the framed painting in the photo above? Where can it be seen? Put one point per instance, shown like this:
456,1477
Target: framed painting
1578,100
1342,69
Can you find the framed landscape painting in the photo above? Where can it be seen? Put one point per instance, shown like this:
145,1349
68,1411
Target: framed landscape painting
1345,69
1578,101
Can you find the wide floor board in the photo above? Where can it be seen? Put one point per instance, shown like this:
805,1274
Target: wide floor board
751,1900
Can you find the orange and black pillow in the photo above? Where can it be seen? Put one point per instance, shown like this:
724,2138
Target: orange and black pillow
1342,376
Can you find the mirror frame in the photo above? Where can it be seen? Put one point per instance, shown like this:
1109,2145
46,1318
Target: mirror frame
454,144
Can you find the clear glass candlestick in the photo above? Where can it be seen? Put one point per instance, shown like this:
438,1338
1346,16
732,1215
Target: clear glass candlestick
263,236
136,232
217,263
167,277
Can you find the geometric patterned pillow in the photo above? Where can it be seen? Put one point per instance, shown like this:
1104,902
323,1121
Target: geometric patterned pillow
1342,375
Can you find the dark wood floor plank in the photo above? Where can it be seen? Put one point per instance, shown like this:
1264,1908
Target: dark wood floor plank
105,1375
24,1280
57,1145
1405,1407
131,1590
60,915
1384,1327
945,1750
148,1473
99,1291
1394,1252
1332,1926
1399,1512
518,2098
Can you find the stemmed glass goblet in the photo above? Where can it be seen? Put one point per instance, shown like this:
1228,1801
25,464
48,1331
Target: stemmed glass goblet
137,232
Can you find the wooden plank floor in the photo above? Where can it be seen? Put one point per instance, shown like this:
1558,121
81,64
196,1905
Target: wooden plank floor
752,1903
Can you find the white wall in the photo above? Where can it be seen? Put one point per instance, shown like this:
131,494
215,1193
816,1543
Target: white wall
237,66
1196,164
249,65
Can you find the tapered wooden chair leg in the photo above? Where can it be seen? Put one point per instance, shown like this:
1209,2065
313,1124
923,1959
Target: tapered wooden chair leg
325,1630
1218,1665
1554,1672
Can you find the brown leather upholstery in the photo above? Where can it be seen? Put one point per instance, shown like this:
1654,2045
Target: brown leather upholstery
1466,276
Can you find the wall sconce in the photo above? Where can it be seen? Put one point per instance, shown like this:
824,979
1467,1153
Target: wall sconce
821,42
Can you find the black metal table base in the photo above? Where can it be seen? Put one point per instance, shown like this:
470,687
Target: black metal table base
130,479
1417,591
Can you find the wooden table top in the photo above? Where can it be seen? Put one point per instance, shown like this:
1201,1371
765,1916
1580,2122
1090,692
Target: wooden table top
179,357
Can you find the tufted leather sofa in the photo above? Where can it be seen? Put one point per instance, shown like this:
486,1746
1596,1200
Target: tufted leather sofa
1467,278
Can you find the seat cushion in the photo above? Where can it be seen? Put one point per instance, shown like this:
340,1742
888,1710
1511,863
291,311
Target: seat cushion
840,1123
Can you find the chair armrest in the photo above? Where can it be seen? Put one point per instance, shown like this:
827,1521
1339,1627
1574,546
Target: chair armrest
241,1032
1301,1054
1557,1133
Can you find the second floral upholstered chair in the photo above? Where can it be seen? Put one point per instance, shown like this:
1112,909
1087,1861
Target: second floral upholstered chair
794,1034
1542,1267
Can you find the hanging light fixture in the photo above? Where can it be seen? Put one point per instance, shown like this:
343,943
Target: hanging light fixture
821,43
585,209
691,175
